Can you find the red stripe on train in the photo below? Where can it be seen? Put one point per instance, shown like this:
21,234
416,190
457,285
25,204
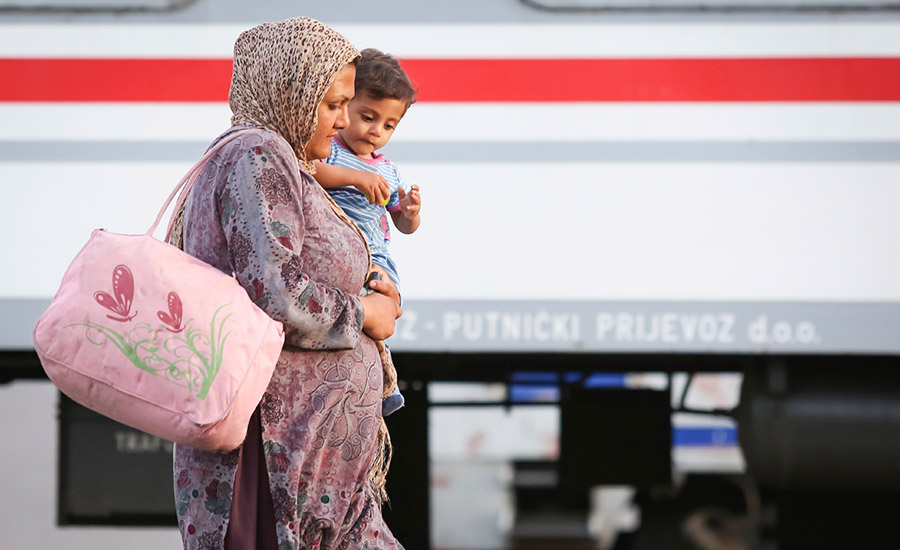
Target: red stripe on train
487,80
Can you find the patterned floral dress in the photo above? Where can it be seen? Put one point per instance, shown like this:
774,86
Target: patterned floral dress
256,213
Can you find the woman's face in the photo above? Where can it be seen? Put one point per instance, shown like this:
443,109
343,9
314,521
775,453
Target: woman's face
332,113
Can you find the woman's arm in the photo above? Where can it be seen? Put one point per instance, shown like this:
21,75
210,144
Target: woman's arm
262,216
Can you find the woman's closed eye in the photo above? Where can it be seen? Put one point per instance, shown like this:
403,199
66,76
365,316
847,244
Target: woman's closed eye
335,105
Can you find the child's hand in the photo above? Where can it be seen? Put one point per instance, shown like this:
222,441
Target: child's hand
410,203
375,187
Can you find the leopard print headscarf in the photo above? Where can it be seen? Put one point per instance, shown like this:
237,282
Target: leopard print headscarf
281,73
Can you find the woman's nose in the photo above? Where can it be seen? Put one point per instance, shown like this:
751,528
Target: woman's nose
343,119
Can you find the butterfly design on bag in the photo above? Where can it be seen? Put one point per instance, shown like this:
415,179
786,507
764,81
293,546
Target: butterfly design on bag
123,294
174,316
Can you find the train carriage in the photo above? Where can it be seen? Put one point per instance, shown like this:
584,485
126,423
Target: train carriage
609,188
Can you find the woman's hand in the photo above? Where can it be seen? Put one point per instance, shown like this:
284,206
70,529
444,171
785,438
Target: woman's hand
380,270
381,308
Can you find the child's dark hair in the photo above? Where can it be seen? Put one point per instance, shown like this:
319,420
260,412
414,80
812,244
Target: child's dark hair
380,76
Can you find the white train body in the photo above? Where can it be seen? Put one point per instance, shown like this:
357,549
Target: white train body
700,223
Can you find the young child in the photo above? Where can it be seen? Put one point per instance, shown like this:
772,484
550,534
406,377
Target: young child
363,182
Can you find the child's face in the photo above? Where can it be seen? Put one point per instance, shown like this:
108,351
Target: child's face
372,123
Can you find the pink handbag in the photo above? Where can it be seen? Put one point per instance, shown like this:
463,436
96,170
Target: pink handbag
156,339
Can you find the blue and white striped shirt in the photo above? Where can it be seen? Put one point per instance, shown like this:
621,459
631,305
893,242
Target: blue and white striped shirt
372,219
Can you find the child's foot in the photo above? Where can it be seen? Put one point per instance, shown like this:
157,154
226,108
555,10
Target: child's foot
391,403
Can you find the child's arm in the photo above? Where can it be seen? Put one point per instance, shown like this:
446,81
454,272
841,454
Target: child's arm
406,220
375,187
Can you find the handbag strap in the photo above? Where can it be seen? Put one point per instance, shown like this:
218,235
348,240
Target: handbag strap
188,180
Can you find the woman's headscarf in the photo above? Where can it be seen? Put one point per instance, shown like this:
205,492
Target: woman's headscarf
281,73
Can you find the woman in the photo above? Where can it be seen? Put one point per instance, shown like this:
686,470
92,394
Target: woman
302,477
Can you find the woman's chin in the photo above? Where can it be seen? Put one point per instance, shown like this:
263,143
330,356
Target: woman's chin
319,152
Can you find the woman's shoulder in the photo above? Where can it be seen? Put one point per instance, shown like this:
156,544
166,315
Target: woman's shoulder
260,147
253,137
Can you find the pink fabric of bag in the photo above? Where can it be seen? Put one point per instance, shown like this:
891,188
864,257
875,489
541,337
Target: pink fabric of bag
156,339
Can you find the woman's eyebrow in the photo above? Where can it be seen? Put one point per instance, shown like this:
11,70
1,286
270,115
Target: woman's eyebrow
339,97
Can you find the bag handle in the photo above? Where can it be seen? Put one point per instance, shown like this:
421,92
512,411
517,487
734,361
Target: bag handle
188,180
